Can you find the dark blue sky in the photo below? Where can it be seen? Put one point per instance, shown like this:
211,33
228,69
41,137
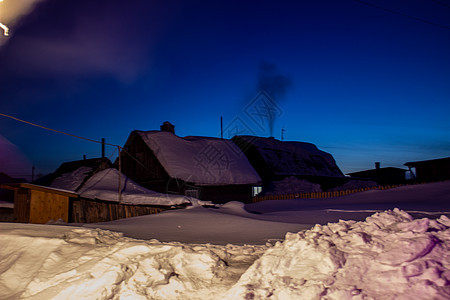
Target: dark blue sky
361,83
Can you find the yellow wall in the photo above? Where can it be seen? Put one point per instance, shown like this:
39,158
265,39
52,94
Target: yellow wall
47,206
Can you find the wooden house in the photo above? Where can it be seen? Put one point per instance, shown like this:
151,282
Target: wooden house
383,176
39,204
206,168
276,160
85,168
430,170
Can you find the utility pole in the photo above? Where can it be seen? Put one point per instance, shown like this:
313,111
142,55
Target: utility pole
221,127
282,133
32,173
120,175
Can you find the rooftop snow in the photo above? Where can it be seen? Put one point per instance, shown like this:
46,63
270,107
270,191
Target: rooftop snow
104,186
201,160
294,158
71,180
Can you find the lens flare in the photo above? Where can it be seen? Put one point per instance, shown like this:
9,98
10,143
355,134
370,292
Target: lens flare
5,29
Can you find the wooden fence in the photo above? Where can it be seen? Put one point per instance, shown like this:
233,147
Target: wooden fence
321,194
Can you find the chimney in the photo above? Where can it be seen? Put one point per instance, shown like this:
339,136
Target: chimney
377,165
168,127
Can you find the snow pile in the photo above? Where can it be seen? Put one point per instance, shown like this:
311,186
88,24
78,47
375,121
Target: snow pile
97,264
104,186
72,180
389,256
201,160
292,185
354,184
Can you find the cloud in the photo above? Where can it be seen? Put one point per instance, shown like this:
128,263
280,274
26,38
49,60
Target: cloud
12,161
86,38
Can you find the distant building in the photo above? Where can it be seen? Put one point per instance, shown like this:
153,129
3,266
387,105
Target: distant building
383,176
72,174
430,170
206,168
276,160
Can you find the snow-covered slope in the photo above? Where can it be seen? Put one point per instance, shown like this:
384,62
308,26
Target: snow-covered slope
201,160
292,158
104,186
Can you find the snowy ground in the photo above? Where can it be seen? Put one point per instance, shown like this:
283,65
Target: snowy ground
230,253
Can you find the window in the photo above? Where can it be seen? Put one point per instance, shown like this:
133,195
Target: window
256,190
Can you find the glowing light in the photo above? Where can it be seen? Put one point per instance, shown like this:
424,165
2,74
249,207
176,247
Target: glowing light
5,29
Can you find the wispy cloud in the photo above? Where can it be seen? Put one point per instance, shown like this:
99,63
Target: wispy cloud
98,41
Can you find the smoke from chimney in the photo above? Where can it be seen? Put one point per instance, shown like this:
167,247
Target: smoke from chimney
275,85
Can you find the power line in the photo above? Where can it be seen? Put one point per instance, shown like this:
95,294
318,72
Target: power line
441,3
58,131
402,14
80,137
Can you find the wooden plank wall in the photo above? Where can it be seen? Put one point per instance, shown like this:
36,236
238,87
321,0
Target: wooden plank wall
93,211
48,206
21,206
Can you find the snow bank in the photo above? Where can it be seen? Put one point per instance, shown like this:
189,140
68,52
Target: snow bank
292,185
389,256
201,160
354,184
104,186
96,264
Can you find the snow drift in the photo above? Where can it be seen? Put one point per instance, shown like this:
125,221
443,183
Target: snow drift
388,256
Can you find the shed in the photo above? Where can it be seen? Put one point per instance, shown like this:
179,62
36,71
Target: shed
100,201
431,170
39,204
206,168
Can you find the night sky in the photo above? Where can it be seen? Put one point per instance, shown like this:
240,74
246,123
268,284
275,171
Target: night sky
363,83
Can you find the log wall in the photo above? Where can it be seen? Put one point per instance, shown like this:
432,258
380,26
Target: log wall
94,211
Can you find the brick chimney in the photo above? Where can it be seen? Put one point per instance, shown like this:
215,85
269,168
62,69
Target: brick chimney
168,127
377,165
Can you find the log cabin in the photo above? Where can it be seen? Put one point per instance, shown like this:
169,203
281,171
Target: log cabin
210,169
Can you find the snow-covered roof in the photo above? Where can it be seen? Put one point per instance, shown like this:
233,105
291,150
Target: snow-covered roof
72,180
292,158
201,160
104,186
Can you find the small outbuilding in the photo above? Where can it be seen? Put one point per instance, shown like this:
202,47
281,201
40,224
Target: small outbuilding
430,170
109,195
39,204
